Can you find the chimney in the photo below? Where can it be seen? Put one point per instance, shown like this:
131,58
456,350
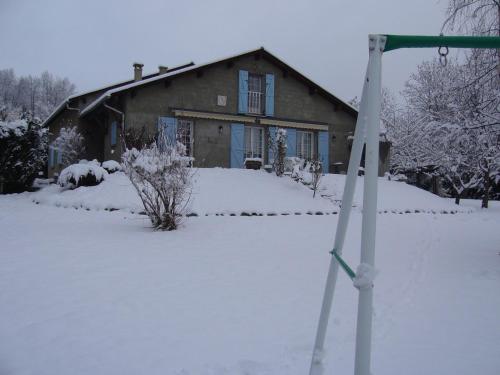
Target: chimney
162,69
138,71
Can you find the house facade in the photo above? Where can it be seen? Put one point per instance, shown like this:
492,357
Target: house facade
224,112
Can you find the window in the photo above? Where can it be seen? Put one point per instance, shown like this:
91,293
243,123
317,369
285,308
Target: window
255,94
254,142
185,135
305,145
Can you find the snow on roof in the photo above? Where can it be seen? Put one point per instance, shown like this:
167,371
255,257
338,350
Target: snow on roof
108,93
120,83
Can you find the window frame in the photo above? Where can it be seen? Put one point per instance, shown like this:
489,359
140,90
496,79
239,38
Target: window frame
191,134
261,93
252,130
300,144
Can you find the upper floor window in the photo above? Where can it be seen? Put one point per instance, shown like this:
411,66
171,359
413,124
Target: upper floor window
256,93
185,134
305,145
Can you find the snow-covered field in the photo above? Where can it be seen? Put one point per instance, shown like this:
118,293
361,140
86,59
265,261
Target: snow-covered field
95,292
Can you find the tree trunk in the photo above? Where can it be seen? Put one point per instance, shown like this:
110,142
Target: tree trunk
486,195
457,198
498,50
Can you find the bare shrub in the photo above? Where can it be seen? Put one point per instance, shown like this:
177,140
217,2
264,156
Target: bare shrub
278,147
138,138
307,172
162,178
316,172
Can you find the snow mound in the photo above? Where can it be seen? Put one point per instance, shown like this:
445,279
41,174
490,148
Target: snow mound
216,191
393,196
81,175
365,274
111,166
241,192
92,162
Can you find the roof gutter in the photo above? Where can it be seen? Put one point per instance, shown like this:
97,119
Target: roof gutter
71,108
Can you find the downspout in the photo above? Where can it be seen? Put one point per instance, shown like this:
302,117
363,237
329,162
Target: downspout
120,113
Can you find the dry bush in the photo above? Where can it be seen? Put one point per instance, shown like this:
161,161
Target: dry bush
162,178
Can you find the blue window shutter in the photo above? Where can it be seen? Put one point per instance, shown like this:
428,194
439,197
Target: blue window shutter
171,130
323,150
269,94
272,139
237,145
51,156
59,156
291,142
243,92
113,133
159,127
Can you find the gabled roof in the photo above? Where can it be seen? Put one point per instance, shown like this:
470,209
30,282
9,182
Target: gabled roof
66,101
262,51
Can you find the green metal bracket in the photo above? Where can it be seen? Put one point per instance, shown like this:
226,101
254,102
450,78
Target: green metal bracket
424,41
343,264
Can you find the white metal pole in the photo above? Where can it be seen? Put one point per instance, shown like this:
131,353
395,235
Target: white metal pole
369,222
345,211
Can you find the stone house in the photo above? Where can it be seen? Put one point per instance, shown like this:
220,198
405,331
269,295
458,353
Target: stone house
223,112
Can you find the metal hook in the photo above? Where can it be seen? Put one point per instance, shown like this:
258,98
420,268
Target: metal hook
443,53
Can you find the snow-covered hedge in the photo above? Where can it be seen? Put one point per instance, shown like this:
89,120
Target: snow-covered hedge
112,166
77,175
16,127
93,162
23,153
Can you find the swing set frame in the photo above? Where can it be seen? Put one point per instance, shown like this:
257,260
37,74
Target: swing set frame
367,133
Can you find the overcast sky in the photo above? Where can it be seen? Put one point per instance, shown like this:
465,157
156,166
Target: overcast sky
95,42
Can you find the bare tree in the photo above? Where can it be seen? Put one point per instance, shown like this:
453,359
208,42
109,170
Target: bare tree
36,95
481,17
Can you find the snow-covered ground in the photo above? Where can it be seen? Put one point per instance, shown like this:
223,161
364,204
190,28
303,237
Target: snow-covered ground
236,191
95,292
